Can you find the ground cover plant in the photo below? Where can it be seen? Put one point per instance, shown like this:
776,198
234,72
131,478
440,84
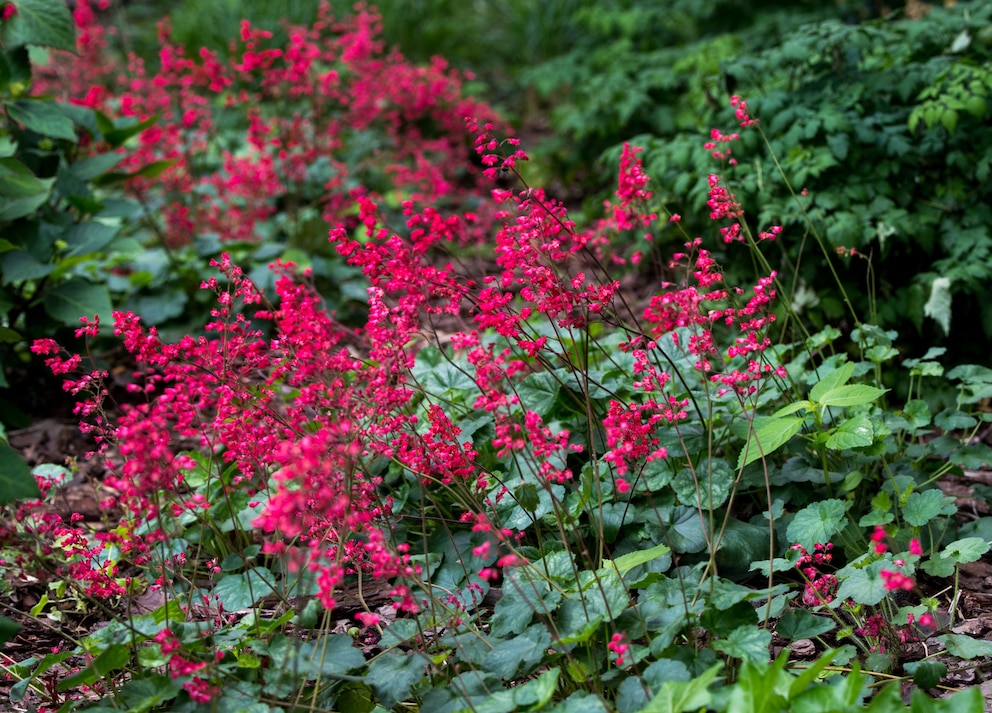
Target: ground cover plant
523,483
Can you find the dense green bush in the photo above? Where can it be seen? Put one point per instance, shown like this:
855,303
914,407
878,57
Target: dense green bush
886,124
884,120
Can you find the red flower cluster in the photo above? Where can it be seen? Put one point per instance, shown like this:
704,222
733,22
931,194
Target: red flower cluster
299,105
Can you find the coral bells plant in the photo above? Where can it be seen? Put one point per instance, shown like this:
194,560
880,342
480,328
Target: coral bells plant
255,146
514,486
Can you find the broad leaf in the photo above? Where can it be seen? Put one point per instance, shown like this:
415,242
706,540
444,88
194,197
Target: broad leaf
46,23
853,432
802,624
8,629
678,696
839,376
767,436
238,592
923,506
16,481
42,117
77,298
850,395
115,657
392,675
965,647
926,674
817,523
627,562
747,642
538,392
708,485
21,192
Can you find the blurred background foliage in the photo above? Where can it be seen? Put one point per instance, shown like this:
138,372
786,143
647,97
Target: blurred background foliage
880,110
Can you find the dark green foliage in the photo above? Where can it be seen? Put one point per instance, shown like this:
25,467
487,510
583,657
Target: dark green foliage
884,121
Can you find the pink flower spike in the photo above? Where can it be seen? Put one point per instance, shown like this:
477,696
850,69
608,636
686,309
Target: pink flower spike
367,618
915,548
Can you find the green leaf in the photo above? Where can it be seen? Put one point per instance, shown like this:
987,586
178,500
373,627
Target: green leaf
330,655
678,696
838,377
972,457
716,480
539,392
925,505
580,702
625,563
949,120
746,642
392,675
863,585
793,407
917,413
759,687
953,420
767,436
115,657
817,523
967,549
527,497
965,647
8,629
926,674
90,168
531,696
46,23
117,133
850,395
527,649
16,481
238,592
89,237
797,624
42,116
853,432
603,597
22,192
77,298
144,694
686,532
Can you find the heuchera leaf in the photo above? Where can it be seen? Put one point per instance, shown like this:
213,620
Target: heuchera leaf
923,506
802,624
817,523
678,696
965,647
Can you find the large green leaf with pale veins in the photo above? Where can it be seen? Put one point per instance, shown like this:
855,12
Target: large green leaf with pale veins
47,23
